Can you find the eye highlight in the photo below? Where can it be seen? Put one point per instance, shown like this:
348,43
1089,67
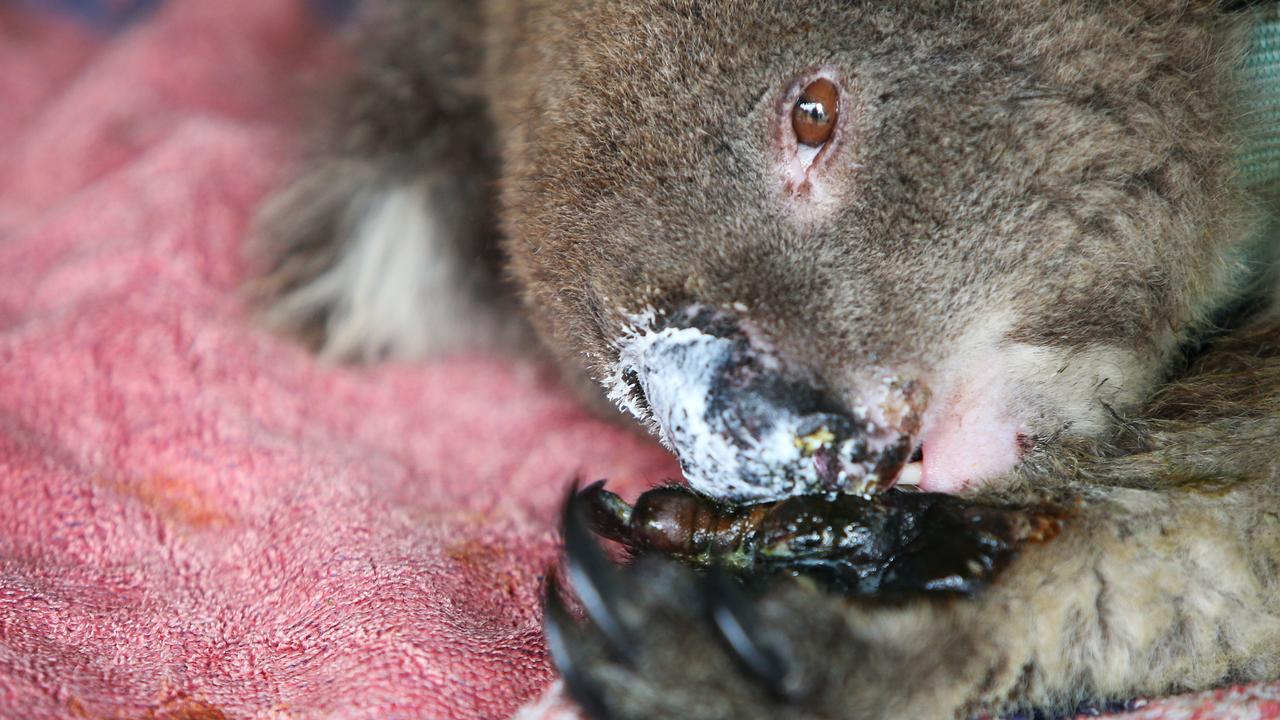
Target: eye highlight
813,129
813,119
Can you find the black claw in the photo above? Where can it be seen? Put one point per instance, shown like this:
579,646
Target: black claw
737,622
596,582
555,625
610,515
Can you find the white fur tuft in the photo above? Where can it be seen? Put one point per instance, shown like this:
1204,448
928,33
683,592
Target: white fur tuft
553,704
397,288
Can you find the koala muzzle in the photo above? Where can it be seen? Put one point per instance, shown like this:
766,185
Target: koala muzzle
743,425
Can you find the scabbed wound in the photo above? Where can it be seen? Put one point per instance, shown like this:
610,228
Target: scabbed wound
741,428
893,545
678,371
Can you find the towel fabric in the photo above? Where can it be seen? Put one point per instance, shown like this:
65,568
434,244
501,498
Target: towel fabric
1260,101
197,519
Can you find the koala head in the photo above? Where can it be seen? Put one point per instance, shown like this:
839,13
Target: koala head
805,240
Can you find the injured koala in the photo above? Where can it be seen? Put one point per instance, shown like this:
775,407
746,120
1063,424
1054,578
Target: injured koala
1022,252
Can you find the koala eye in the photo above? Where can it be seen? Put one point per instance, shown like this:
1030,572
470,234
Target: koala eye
813,119
811,124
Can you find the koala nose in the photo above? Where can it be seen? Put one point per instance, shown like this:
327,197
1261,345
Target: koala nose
743,425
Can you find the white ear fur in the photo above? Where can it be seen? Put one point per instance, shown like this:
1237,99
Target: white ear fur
398,288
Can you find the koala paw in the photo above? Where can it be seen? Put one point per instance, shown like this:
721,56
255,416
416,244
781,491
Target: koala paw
662,640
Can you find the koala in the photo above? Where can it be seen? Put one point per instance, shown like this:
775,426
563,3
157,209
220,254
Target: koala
1007,251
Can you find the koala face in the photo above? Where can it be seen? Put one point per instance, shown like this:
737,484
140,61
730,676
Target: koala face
804,240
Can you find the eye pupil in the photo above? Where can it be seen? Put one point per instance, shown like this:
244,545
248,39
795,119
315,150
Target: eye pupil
814,117
814,111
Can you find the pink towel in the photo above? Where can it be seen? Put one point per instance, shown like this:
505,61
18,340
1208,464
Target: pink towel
197,519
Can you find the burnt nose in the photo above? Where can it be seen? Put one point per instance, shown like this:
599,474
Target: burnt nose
743,424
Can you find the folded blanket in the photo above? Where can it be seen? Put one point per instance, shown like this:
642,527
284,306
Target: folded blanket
200,520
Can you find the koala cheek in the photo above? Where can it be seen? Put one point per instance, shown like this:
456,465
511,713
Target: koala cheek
968,438
998,400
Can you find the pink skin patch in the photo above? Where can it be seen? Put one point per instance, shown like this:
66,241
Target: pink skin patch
967,438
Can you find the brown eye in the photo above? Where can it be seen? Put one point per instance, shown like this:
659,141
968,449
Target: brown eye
814,117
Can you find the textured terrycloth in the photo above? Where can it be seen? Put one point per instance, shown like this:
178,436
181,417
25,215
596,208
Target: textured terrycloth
197,520
1260,156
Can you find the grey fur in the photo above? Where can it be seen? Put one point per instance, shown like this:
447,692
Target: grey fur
1064,164
1164,580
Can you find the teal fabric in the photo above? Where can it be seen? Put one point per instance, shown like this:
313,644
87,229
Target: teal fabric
1260,154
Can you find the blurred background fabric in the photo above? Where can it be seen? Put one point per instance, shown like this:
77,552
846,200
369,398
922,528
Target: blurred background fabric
199,519
116,14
